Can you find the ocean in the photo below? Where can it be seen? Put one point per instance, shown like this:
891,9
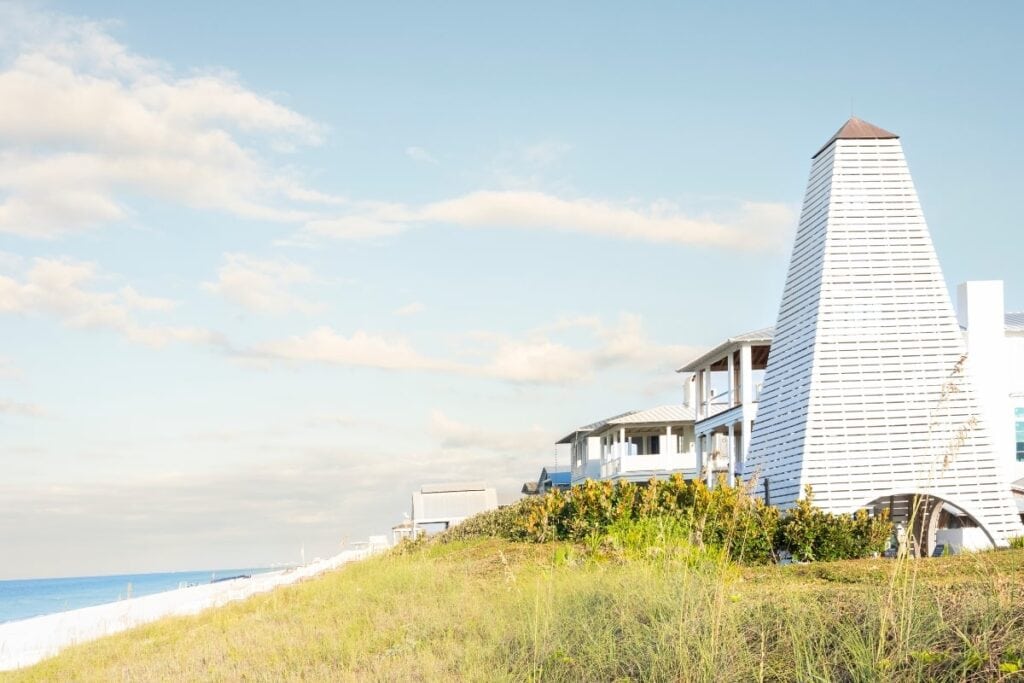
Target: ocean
24,598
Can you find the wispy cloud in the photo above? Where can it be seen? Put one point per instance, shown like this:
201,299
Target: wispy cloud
8,370
534,358
87,122
748,226
20,409
66,290
413,308
262,286
360,349
421,155
452,433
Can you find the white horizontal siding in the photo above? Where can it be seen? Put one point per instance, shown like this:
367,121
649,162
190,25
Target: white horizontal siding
857,398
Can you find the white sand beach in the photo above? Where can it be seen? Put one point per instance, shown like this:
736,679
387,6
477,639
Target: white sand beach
28,641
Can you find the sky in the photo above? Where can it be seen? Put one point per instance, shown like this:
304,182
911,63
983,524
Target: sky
266,269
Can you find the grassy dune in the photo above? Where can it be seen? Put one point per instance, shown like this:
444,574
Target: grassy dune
491,610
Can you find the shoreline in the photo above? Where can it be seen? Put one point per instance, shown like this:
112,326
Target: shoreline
28,641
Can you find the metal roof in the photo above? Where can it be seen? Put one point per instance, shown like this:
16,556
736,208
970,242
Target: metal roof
857,129
1014,322
761,336
669,413
562,477
453,487
568,438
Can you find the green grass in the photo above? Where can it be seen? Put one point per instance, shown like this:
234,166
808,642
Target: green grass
636,606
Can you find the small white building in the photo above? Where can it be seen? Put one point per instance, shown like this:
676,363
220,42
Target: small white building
436,507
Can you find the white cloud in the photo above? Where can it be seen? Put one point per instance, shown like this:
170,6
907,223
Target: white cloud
361,349
63,289
86,122
454,434
261,285
539,359
749,226
419,154
534,358
20,409
412,308
8,370
544,153
354,227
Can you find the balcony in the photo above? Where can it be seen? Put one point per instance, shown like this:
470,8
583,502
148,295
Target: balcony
621,460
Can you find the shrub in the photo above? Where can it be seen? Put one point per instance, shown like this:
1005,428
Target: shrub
1017,542
723,517
811,534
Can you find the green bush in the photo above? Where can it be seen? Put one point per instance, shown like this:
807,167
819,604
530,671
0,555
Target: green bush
809,533
723,517
1017,542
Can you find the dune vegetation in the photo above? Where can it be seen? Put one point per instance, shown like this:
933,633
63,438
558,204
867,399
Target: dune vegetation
642,599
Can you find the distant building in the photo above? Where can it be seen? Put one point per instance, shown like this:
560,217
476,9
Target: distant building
436,507
646,444
583,449
551,478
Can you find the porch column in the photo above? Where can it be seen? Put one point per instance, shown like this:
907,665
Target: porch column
698,395
732,455
698,448
707,391
747,426
711,454
747,383
731,386
746,374
669,446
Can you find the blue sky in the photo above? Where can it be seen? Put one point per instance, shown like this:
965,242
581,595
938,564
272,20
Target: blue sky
264,270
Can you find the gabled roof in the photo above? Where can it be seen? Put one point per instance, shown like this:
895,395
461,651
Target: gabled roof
568,438
858,129
761,336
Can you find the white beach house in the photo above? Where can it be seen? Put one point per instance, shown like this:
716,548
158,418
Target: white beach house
648,443
634,446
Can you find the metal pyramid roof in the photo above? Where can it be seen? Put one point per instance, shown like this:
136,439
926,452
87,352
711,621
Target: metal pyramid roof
858,129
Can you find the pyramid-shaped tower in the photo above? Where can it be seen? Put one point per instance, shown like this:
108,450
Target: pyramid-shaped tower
865,396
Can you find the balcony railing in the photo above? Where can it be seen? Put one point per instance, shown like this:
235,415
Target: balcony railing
622,459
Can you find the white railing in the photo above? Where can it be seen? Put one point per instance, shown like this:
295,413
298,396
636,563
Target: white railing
616,463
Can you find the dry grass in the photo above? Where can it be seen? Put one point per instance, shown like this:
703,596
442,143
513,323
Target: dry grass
493,610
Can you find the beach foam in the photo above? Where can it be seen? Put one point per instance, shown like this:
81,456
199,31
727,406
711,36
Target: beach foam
28,641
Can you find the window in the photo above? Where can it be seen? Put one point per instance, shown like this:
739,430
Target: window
655,445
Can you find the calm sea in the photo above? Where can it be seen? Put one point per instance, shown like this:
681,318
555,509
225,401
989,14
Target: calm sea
24,598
